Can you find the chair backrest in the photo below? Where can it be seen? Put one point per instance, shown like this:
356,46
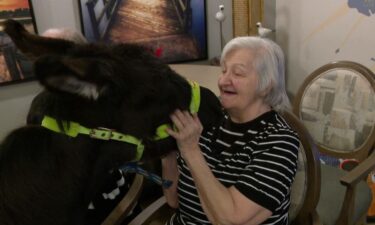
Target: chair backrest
306,186
337,105
127,203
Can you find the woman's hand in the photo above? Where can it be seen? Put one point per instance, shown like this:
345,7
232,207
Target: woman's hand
188,129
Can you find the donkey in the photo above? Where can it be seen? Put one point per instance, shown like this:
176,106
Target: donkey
49,173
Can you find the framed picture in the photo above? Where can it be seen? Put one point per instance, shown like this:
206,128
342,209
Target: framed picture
174,30
14,66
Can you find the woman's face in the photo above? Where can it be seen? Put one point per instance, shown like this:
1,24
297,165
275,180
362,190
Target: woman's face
238,84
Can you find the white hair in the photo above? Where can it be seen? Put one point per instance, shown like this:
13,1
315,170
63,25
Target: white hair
66,34
269,64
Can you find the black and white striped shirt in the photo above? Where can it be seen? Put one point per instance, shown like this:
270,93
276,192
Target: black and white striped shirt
258,157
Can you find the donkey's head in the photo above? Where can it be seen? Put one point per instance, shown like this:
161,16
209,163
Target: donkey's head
121,87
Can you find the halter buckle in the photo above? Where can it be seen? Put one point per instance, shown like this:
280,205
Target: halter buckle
101,133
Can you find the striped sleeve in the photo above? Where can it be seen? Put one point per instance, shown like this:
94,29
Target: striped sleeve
269,176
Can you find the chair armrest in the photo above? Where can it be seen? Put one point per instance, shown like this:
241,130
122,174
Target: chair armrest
359,172
350,180
127,203
149,211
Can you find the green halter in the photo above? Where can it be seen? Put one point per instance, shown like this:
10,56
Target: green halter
72,129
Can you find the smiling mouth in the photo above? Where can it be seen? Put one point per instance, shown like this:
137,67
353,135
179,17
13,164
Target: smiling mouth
226,92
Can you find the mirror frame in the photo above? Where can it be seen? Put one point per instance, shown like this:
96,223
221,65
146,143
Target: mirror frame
362,151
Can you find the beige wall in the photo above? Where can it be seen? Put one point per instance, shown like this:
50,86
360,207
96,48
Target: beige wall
313,33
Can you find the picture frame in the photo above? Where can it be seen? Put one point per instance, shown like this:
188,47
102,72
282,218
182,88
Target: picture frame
175,30
14,66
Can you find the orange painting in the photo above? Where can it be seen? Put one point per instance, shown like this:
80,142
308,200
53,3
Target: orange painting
14,66
13,4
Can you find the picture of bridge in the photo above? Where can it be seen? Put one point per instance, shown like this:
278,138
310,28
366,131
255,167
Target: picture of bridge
174,30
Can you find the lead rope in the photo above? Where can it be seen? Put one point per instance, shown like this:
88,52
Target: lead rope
133,167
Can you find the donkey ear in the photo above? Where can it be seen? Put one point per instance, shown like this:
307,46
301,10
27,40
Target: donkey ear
33,45
69,75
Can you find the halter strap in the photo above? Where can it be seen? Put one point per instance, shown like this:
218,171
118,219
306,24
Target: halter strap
72,129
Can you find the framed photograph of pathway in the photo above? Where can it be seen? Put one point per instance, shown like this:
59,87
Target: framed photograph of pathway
14,66
174,30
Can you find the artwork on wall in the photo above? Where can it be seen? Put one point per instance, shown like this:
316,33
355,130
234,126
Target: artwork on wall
14,66
173,30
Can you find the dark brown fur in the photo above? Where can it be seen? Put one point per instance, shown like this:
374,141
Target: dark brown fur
49,178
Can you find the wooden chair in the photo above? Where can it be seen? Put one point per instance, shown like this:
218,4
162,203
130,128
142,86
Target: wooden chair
127,204
305,190
306,185
337,105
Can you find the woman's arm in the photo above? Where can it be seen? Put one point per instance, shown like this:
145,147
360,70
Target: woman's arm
170,172
222,205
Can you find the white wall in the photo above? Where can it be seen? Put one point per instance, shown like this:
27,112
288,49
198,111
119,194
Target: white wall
15,99
311,32
56,13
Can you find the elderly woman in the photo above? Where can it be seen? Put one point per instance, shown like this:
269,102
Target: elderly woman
240,171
